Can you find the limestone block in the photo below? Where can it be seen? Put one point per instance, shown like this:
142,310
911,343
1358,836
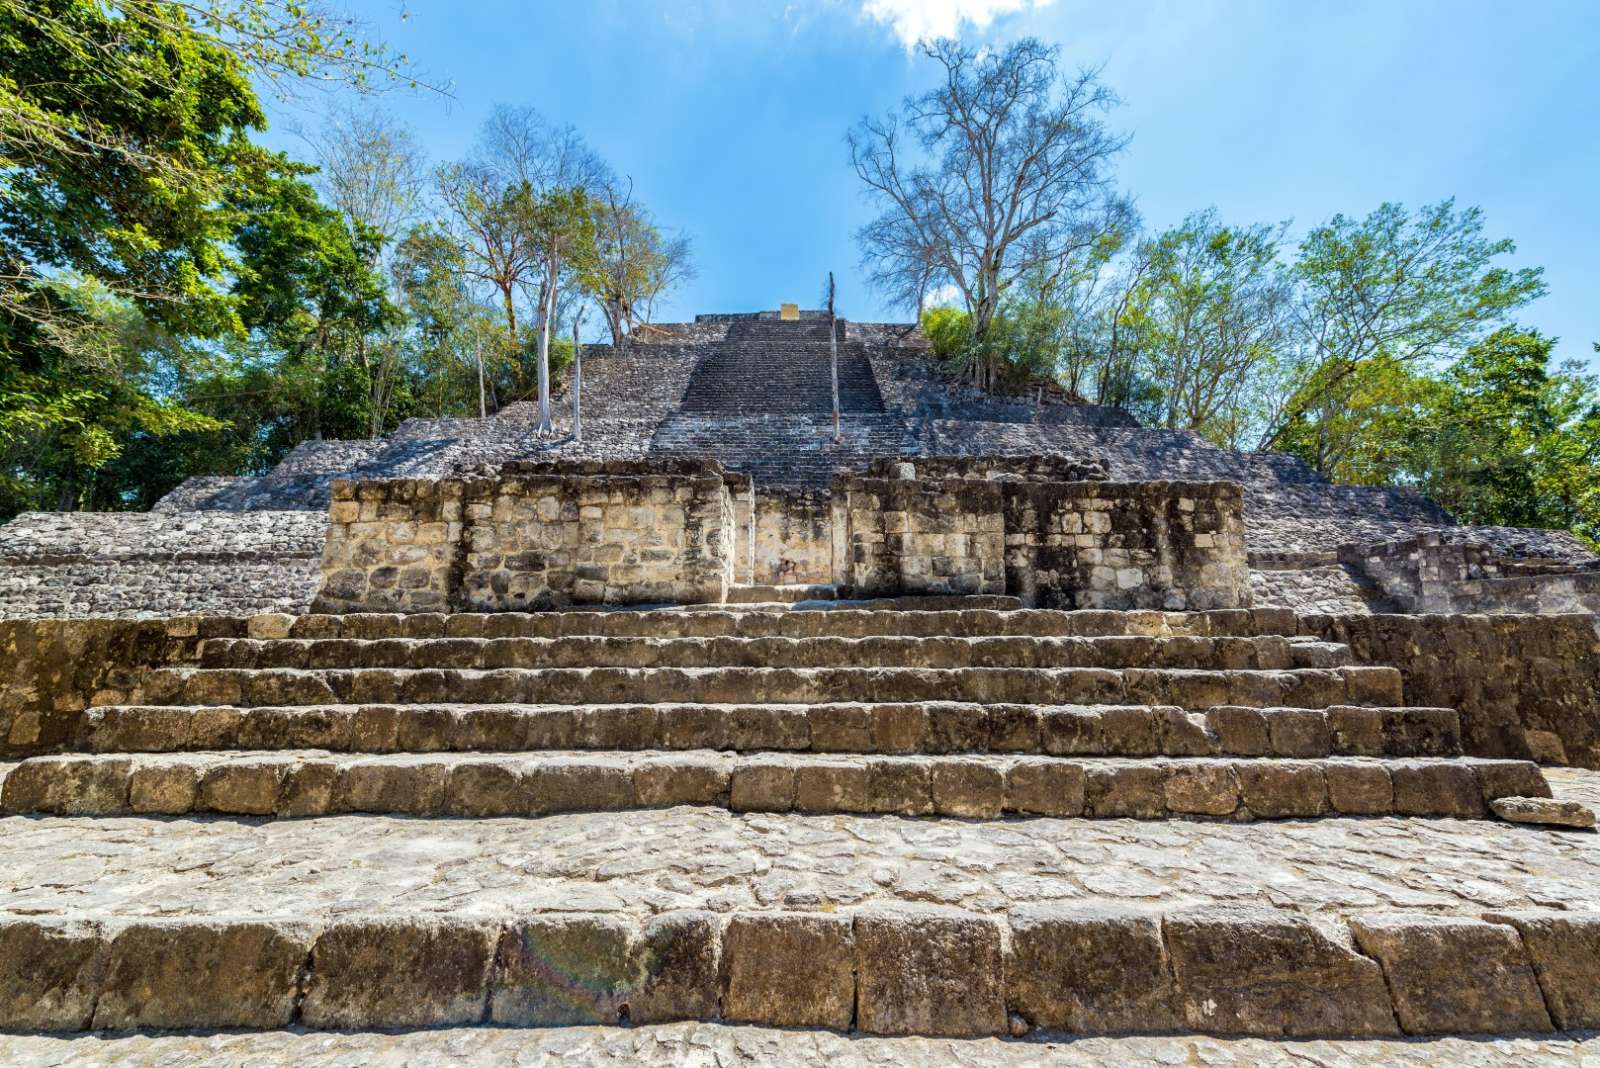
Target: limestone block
832,788
559,786
1254,971
200,974
686,780
164,789
1510,778
485,788
1089,973
1128,791
563,970
392,972
762,786
67,786
1202,789
1544,810
1279,789
1359,789
1565,950
900,787
928,973
1436,790
1045,788
967,788
49,974
413,785
787,970
1451,975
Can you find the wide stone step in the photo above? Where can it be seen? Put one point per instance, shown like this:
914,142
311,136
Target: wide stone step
781,594
1262,653
889,971
1298,688
846,620
673,1045
927,727
474,785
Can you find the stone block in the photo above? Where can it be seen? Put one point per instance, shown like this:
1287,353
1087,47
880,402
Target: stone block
832,788
1452,975
1545,811
1359,789
789,970
1510,778
411,785
576,786
1440,789
167,789
900,787
969,789
486,788
1254,971
685,780
1089,973
242,787
1045,788
50,974
928,973
1202,789
1279,789
1128,791
561,970
1564,948
203,974
1240,731
761,786
376,973
68,786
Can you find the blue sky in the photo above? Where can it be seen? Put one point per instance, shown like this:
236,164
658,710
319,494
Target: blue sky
730,115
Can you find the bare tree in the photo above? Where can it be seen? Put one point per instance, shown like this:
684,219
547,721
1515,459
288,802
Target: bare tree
634,262
371,169
1001,169
577,377
833,353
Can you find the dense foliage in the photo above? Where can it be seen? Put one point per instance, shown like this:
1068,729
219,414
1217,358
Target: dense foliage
176,300
1380,349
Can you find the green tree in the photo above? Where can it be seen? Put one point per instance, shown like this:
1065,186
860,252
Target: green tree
1392,286
1516,441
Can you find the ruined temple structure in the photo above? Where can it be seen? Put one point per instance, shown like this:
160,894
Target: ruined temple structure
991,722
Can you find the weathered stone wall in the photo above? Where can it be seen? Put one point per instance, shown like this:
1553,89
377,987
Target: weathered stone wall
52,669
924,536
533,536
794,536
1054,544
1525,686
80,564
1435,573
392,545
1168,545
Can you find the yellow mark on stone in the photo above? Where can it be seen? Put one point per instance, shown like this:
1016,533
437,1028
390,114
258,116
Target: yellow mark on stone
789,313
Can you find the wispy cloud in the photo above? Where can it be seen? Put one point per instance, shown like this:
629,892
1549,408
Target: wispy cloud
925,20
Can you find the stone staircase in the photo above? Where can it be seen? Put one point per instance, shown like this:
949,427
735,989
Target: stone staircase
781,368
818,731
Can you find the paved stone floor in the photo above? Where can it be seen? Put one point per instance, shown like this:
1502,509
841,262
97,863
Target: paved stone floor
715,1046
636,862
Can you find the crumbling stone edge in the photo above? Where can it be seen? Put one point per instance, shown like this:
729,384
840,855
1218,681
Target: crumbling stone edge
892,970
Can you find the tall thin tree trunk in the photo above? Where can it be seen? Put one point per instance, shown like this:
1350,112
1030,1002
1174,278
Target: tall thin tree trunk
548,313
477,354
577,382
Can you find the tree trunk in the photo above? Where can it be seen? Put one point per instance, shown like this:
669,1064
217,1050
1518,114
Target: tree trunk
547,313
577,384
477,355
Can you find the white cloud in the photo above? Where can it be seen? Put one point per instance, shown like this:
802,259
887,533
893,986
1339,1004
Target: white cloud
925,20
